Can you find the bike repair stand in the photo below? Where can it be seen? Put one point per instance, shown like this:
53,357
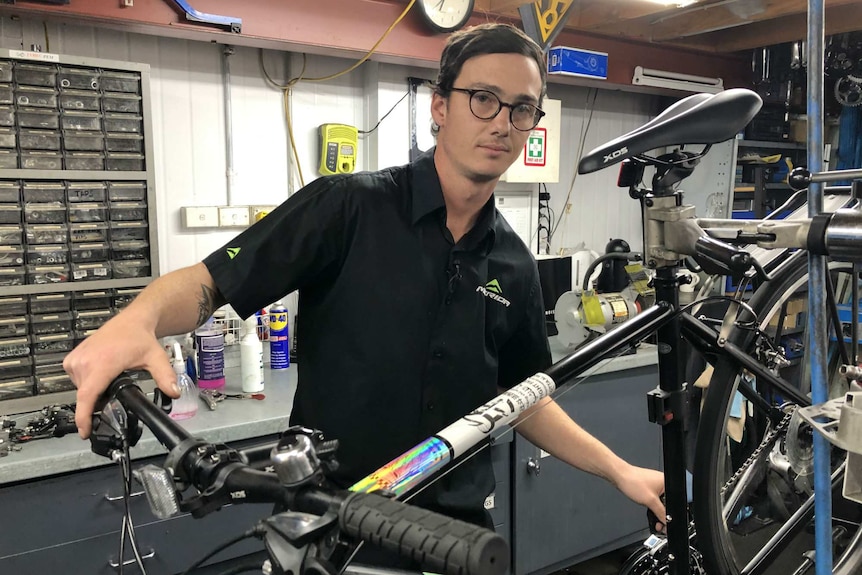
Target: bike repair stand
667,403
817,322
668,407
670,228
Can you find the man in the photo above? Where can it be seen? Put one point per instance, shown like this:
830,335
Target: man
418,301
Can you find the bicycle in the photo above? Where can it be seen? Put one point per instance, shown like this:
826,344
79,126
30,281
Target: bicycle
746,350
771,458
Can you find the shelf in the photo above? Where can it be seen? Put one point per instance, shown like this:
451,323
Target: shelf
770,186
20,174
74,286
773,145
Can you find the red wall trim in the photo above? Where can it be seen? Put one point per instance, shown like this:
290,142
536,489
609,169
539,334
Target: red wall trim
350,27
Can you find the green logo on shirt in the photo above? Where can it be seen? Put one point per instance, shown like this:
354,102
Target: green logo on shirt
492,290
232,252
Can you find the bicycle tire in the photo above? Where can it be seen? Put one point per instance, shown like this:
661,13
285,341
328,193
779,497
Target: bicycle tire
723,548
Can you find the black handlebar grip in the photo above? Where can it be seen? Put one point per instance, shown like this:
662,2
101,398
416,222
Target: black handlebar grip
433,540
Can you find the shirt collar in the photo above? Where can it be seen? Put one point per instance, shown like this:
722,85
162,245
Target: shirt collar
427,193
428,197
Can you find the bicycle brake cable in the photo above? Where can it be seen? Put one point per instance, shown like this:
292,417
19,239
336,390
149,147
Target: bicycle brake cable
128,527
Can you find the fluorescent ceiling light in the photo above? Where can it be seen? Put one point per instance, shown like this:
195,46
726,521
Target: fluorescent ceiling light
676,81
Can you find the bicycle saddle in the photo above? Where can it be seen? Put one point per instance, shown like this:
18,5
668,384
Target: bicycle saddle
697,119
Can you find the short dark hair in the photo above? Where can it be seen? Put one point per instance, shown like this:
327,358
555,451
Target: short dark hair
492,38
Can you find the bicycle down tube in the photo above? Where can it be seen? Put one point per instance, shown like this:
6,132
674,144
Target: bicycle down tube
425,460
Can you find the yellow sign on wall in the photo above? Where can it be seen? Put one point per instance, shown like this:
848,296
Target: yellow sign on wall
544,19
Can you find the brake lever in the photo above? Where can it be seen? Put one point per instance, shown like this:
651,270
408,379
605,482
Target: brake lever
163,400
114,427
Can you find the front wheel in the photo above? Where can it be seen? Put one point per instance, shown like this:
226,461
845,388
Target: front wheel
753,484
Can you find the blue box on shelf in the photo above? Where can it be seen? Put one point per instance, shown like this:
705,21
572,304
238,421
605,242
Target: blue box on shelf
578,62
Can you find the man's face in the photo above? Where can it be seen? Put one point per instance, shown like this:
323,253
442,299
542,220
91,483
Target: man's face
481,150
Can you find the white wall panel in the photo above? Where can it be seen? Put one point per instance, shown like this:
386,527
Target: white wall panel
600,210
336,101
189,120
189,142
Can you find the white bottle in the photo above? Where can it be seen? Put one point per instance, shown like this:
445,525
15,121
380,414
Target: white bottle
186,405
251,357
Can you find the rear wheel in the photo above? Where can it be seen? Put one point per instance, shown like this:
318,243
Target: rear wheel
752,468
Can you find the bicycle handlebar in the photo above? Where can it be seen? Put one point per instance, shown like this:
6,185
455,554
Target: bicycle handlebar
433,540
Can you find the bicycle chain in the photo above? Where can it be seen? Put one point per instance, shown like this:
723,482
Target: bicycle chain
767,440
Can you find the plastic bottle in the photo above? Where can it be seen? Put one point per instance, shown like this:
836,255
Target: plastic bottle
210,345
186,405
251,358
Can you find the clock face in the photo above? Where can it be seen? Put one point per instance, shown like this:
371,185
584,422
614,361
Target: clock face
446,15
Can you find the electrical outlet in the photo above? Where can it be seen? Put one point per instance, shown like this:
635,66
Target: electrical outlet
200,217
257,212
233,216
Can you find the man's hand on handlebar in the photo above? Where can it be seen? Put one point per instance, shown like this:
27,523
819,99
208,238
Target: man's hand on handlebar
119,345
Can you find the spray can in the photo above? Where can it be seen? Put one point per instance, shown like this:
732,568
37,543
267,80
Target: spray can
279,337
210,344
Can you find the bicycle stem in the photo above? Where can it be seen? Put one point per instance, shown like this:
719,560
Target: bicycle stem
672,232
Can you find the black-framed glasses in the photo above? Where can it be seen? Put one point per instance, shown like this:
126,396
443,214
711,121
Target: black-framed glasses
485,105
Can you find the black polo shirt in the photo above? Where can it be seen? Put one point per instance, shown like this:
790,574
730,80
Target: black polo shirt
402,330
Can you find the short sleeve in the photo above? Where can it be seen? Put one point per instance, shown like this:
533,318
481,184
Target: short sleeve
299,243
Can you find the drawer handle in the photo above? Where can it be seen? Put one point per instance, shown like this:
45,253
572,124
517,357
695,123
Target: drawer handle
116,564
113,498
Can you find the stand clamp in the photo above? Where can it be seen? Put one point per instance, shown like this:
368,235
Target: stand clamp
666,406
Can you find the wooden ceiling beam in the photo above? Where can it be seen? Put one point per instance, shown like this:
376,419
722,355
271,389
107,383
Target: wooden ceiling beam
838,19
725,17
591,15
698,19
499,6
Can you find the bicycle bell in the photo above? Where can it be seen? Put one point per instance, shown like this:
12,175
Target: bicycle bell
295,458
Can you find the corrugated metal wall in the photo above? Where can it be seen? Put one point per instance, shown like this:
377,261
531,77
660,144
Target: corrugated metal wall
189,142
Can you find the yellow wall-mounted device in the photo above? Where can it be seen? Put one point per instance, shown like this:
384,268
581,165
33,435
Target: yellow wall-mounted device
337,149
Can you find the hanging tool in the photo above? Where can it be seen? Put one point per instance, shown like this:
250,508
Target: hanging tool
230,22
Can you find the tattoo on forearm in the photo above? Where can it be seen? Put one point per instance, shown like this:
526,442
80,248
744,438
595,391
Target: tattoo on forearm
208,302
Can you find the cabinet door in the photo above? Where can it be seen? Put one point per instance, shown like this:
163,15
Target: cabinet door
564,516
74,520
59,509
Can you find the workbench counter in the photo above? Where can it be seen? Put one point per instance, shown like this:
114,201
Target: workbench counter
233,420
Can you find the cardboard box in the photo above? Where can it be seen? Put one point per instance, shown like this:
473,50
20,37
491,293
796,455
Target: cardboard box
578,62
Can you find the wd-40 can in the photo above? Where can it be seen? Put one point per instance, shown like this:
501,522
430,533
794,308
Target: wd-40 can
279,338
